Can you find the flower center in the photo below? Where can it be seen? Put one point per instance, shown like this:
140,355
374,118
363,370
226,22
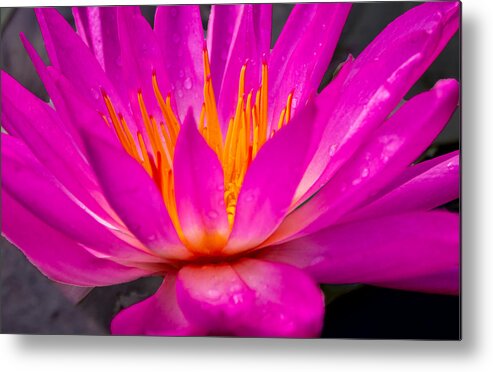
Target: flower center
248,131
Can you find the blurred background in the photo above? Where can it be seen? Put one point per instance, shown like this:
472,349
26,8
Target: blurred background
32,304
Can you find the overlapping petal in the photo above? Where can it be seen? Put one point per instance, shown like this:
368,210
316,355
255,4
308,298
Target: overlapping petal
199,191
158,315
423,186
251,298
391,249
397,143
267,191
249,42
379,78
302,53
55,254
179,32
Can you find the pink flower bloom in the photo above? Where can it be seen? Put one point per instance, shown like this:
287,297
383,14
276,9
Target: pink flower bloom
217,166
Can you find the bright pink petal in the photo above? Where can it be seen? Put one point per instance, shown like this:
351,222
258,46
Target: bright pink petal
98,28
302,53
397,143
41,129
73,58
381,250
57,256
268,189
34,187
159,315
249,42
379,78
251,298
221,33
423,186
135,197
447,282
142,57
199,191
181,36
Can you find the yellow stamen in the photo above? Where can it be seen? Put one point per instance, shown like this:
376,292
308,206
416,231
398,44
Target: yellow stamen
248,130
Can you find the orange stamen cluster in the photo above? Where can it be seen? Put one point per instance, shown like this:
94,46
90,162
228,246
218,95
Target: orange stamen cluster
248,130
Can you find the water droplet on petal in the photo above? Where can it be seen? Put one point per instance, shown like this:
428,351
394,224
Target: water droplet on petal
355,182
365,172
187,84
212,215
95,93
181,73
179,93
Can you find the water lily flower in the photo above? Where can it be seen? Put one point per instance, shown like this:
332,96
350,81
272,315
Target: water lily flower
216,164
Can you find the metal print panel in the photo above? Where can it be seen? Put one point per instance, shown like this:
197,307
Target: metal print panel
232,170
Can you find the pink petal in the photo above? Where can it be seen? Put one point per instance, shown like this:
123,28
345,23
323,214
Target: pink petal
35,188
57,256
199,185
74,60
98,28
159,315
41,129
388,249
251,298
135,197
271,180
447,282
180,34
248,43
398,142
141,58
221,33
302,53
423,186
379,79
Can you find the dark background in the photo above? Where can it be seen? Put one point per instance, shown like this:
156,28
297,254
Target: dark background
30,303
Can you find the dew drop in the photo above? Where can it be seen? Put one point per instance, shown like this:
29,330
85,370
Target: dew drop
187,83
355,182
95,93
450,165
213,294
179,93
212,215
332,150
181,73
365,172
